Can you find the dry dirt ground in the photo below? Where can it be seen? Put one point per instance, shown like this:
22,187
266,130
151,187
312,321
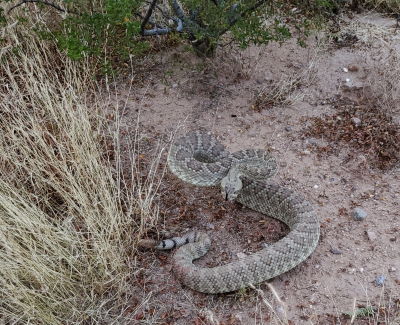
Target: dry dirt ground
303,88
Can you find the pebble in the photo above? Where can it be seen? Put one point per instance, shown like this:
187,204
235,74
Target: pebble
175,86
392,269
313,299
353,67
358,214
356,121
358,85
315,186
210,226
320,176
371,235
305,152
280,312
259,80
347,80
288,128
252,135
336,251
312,141
345,70
380,280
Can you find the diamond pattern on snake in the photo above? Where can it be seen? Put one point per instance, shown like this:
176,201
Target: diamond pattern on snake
201,160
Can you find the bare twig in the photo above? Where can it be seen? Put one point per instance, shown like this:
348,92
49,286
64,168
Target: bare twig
241,15
45,3
147,17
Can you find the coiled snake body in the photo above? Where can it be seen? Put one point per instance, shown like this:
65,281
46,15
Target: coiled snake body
203,161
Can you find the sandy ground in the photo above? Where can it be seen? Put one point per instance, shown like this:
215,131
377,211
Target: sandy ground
219,96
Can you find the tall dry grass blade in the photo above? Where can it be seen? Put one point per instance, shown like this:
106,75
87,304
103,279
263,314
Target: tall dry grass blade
68,224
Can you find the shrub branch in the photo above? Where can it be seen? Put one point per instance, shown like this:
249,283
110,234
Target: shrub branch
45,3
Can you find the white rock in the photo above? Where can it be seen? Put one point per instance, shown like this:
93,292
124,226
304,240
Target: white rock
356,121
345,70
371,235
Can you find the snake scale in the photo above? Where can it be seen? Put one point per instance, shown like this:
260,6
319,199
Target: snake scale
201,160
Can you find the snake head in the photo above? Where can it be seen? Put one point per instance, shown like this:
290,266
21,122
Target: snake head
231,184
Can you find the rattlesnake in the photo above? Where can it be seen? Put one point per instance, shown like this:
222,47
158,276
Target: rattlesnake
203,161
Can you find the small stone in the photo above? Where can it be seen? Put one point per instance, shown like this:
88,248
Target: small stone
380,280
219,116
347,81
175,86
331,179
351,271
288,128
210,226
392,269
259,80
315,186
336,251
312,141
320,176
252,135
353,68
345,70
358,85
371,235
356,121
305,152
313,299
358,214
280,312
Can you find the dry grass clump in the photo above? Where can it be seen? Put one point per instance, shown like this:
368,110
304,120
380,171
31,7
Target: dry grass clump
290,89
68,221
392,6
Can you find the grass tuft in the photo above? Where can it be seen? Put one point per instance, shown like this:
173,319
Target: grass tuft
69,218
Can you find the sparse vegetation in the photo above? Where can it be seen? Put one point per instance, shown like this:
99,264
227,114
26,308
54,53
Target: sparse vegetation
69,218
72,208
113,30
